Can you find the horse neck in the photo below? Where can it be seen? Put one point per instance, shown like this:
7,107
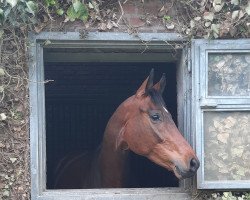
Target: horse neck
113,159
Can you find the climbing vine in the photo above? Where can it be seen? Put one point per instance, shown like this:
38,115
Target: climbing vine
216,18
195,19
16,12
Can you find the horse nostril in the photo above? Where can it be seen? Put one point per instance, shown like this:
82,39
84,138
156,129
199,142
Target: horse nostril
194,165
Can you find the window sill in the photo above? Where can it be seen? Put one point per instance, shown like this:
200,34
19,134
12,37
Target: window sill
121,193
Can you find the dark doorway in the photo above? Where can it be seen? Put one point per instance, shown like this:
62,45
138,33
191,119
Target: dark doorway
81,99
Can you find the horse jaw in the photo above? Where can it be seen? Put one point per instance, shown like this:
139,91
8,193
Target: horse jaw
173,160
167,165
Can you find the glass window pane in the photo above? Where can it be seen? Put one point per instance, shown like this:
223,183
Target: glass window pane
229,74
227,146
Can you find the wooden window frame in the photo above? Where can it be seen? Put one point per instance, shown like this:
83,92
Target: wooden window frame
37,108
204,103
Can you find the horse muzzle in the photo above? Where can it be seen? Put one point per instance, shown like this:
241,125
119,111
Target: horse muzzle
193,167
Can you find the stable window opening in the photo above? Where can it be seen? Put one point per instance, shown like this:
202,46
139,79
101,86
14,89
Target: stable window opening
79,102
75,87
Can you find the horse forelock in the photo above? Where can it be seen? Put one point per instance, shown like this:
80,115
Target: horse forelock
157,99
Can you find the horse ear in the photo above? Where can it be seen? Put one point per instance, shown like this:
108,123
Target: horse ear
120,143
146,85
160,86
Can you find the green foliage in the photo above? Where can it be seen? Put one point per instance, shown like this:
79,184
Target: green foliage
247,196
12,2
54,7
18,11
78,10
229,196
167,17
60,11
216,18
31,7
73,11
49,3
1,15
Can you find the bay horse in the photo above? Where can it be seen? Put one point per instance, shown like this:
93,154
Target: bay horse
141,124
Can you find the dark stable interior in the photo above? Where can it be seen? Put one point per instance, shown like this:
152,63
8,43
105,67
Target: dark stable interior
81,99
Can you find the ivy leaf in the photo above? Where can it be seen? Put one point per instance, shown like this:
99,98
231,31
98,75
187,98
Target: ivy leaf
91,5
1,16
6,12
59,11
12,2
218,8
50,2
31,7
3,117
2,72
235,2
13,160
72,14
84,18
192,24
82,13
6,193
1,91
208,16
235,14
215,29
218,5
166,17
248,9
77,5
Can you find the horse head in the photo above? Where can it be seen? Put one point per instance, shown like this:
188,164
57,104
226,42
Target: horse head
150,131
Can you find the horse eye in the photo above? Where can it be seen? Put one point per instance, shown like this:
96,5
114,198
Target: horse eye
155,117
